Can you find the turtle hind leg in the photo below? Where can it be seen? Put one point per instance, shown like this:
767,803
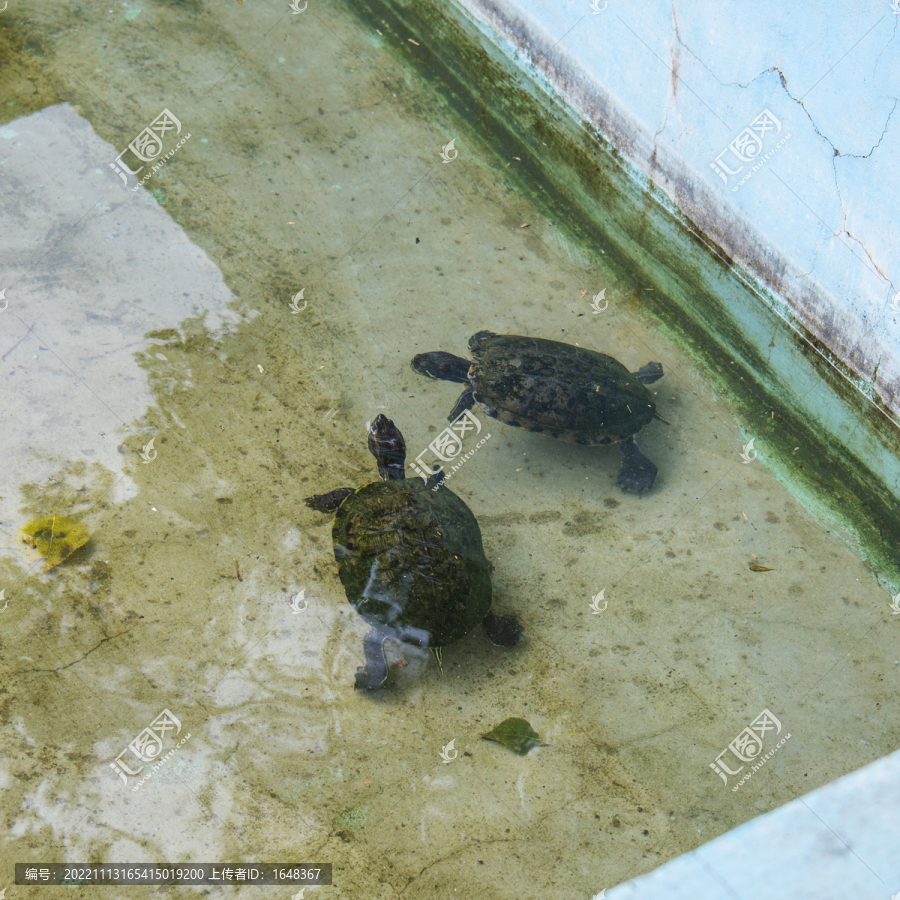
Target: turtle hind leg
466,400
373,674
637,473
653,371
502,631
329,502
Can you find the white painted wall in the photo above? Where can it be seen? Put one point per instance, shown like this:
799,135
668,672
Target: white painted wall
673,84
838,841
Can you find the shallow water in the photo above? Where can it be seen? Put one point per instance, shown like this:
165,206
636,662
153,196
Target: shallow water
164,314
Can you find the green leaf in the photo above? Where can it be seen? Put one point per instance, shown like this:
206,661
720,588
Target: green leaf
517,734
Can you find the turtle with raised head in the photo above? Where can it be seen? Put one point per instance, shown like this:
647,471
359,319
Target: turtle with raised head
410,559
570,393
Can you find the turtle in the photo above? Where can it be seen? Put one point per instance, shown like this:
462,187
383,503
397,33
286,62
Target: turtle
571,393
410,559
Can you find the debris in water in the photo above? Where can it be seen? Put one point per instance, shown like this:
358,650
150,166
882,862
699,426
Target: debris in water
53,539
517,734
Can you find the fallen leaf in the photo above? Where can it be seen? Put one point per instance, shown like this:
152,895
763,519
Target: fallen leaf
761,569
517,734
53,539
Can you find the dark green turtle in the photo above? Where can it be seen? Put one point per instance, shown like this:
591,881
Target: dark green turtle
410,559
568,392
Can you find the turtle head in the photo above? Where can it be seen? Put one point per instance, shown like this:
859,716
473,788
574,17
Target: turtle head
438,364
386,444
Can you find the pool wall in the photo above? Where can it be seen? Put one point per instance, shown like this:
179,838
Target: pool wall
832,842
818,402
795,199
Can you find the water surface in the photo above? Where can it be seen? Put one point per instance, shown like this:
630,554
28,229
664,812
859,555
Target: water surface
164,314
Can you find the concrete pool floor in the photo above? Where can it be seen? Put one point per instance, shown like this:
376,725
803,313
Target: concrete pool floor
310,173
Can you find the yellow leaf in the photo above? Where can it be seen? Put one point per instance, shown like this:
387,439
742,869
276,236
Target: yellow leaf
53,539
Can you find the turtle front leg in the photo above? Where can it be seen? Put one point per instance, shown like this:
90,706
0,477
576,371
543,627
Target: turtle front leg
329,502
502,631
373,674
466,401
637,473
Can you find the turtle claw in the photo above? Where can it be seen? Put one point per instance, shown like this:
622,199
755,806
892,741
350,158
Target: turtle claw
373,674
502,631
637,474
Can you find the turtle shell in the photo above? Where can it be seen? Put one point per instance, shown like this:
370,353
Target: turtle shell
568,392
412,562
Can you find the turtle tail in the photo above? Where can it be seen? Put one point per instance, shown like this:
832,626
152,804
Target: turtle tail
442,365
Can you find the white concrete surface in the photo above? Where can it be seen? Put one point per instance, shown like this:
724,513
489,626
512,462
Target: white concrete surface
672,85
78,301
838,841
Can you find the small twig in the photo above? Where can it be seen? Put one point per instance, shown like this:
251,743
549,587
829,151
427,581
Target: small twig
16,344
237,571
